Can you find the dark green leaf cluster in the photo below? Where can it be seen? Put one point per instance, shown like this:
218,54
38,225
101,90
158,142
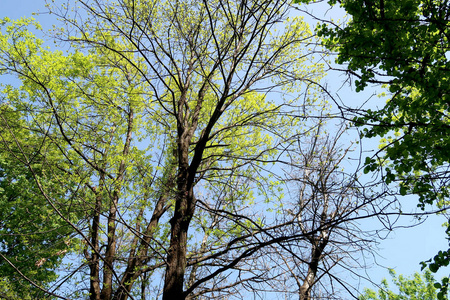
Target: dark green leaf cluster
32,237
441,259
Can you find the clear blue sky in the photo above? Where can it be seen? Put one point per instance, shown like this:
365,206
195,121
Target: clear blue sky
402,250
14,9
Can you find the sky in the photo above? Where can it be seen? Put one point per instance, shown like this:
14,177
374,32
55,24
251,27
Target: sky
14,9
402,250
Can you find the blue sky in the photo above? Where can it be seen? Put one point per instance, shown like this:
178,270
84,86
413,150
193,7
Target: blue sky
402,250
20,8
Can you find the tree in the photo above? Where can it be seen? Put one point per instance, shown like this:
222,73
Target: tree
164,117
324,200
8,292
404,46
418,286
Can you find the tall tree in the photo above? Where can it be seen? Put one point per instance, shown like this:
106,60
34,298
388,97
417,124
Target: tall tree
164,115
32,239
325,199
402,44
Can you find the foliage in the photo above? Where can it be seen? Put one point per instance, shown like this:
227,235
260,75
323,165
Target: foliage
403,44
32,239
417,287
8,292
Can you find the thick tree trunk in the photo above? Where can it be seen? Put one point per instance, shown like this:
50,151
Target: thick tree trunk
184,210
305,289
110,250
176,259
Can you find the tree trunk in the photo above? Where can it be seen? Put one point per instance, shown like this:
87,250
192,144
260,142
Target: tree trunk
316,257
94,263
176,259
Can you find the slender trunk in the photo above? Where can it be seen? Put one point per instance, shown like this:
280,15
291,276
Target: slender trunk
193,275
110,249
138,257
143,286
137,261
316,256
94,263
108,268
133,263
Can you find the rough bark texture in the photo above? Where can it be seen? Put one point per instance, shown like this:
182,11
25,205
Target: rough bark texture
184,210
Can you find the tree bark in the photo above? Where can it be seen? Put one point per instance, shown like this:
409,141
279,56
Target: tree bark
176,259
